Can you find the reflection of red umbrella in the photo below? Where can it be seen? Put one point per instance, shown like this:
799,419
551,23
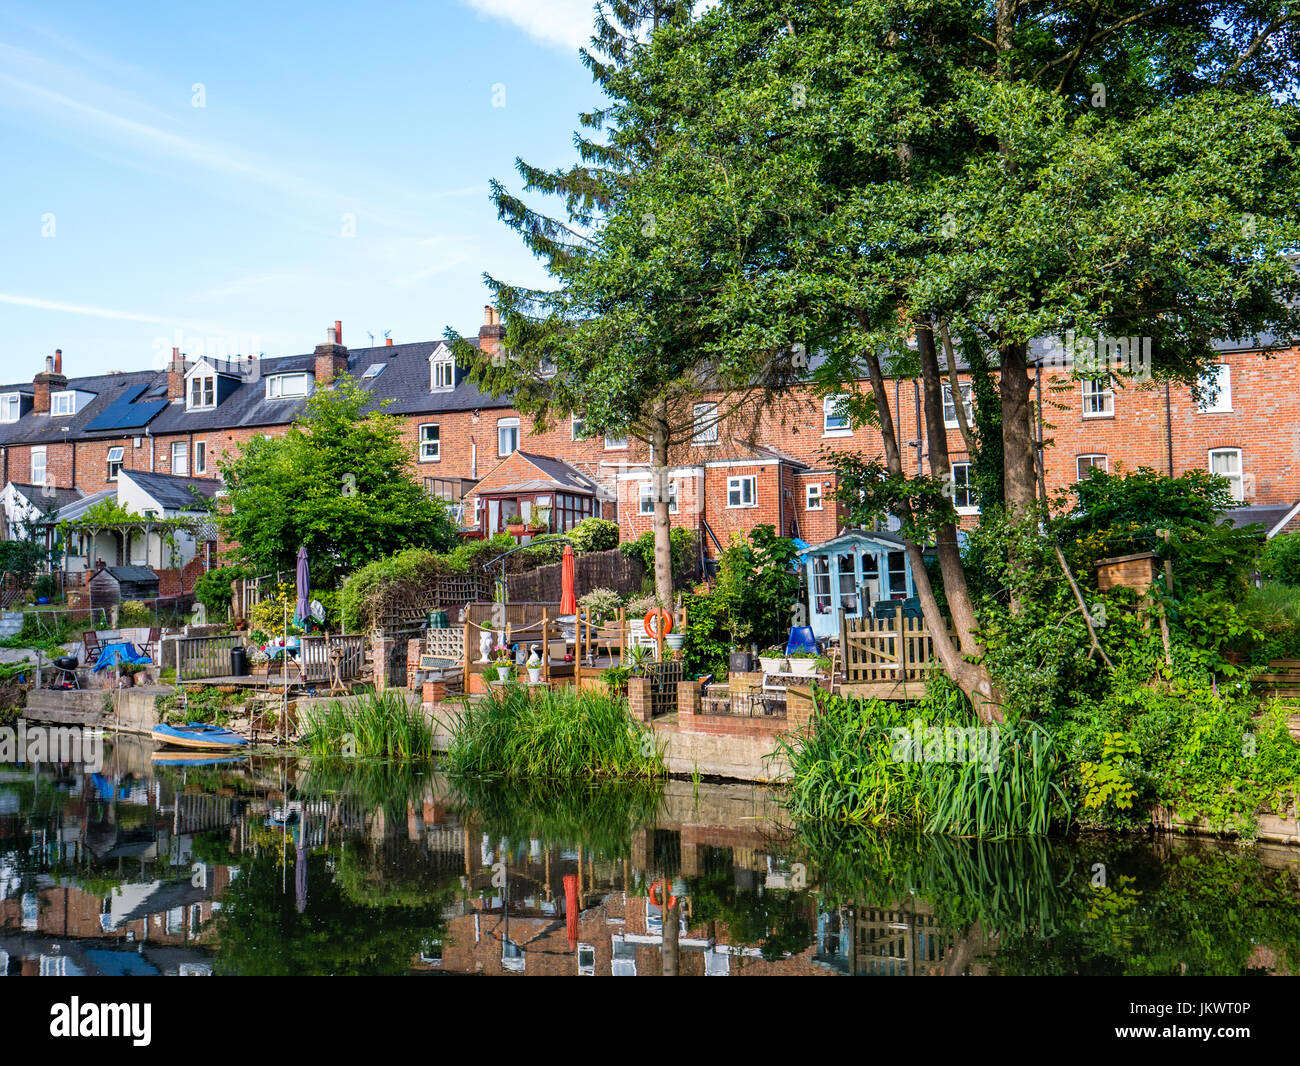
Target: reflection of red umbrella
568,601
571,908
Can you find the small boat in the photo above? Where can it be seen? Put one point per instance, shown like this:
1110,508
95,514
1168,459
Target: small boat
197,735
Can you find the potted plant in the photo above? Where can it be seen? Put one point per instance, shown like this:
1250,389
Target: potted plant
515,525
534,667
803,663
128,672
637,657
772,660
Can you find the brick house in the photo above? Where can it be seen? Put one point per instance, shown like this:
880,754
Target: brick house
767,467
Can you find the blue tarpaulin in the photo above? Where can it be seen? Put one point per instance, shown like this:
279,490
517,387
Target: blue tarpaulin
112,654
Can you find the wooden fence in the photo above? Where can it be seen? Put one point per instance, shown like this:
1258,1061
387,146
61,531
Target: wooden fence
200,657
888,649
591,570
314,656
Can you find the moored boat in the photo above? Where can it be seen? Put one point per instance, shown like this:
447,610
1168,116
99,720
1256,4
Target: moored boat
197,735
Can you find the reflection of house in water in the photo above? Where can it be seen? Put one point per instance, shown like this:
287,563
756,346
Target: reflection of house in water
904,941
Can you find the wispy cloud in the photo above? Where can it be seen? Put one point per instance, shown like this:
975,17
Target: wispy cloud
561,23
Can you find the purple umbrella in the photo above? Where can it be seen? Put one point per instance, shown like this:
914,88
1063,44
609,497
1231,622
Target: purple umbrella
304,586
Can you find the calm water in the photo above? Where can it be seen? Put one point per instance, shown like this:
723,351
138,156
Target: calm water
272,867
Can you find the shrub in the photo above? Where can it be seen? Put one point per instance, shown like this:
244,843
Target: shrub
601,604
135,614
213,589
594,535
684,547
1280,560
46,586
268,614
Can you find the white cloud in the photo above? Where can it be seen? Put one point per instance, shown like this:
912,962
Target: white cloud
564,24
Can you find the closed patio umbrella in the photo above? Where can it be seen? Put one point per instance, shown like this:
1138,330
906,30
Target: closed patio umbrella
568,601
571,908
303,609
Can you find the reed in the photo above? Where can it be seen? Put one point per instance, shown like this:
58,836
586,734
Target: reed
374,725
557,733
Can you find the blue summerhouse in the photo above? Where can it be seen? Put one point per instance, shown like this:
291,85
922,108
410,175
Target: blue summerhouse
848,574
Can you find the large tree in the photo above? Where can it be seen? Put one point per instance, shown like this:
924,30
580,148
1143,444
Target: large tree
339,481
619,338
894,178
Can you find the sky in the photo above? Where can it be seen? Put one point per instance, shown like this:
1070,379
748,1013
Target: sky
233,178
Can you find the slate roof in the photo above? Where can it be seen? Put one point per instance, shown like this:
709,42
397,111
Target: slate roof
36,494
132,573
404,383
1270,516
172,491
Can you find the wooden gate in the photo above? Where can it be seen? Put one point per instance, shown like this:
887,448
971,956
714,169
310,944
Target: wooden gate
888,653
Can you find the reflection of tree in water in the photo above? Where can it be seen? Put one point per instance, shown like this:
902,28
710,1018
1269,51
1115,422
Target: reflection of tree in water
913,904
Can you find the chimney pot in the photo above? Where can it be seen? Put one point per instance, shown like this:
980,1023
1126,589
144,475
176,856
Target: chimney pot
58,360
49,364
388,342
338,331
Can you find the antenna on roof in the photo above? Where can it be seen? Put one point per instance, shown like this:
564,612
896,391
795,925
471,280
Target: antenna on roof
372,338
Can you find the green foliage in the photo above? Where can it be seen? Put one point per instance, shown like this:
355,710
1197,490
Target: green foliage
684,548
373,725
753,600
928,766
1280,560
198,703
135,614
340,482
274,613
601,604
1107,781
213,588
557,733
594,535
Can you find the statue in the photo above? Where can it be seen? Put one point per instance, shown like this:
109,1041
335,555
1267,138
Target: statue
485,641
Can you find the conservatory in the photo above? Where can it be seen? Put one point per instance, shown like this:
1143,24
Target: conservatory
850,573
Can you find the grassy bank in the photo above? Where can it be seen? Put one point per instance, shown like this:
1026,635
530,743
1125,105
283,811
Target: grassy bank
556,733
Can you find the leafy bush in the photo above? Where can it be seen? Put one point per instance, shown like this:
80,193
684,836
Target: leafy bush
684,546
1280,560
594,535
133,614
213,589
601,604
46,585
268,614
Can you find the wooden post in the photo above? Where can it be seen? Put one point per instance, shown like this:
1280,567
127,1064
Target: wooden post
546,649
466,648
622,635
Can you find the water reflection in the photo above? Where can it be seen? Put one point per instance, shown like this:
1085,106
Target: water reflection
281,867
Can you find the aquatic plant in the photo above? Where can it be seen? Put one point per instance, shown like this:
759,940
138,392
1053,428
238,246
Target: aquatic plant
556,733
375,724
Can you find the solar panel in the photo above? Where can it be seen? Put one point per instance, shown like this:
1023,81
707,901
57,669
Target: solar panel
123,413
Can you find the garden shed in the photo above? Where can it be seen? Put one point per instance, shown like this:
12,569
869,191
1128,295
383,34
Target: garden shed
111,585
849,573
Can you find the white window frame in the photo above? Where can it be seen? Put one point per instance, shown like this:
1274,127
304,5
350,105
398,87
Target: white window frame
181,449
1236,480
114,464
200,464
1080,474
1093,396
8,401
503,424
646,500
708,432
615,444
45,470
813,491
967,401
1221,377
442,374
63,402
200,382
737,485
425,455
828,409
969,507
276,382
578,427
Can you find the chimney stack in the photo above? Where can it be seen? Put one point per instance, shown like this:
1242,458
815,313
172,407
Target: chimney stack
176,376
331,357
491,332
49,380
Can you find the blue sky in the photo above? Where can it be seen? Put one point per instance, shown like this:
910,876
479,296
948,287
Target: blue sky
131,220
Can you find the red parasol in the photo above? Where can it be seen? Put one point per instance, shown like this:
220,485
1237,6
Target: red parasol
568,601
571,908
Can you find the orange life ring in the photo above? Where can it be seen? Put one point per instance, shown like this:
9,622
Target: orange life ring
651,631
656,896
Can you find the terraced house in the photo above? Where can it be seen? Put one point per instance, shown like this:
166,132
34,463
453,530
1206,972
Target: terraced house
66,441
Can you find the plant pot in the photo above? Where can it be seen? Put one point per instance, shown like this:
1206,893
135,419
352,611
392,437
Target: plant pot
739,662
675,641
772,664
534,675
516,531
803,667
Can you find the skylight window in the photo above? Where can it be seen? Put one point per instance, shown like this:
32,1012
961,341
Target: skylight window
373,370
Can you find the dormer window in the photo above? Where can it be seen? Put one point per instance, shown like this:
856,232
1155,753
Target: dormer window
286,386
203,392
11,406
63,403
443,373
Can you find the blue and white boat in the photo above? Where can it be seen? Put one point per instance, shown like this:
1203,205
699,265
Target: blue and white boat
198,735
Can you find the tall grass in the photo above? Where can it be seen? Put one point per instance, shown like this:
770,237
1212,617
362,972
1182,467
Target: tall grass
846,770
376,725
556,733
